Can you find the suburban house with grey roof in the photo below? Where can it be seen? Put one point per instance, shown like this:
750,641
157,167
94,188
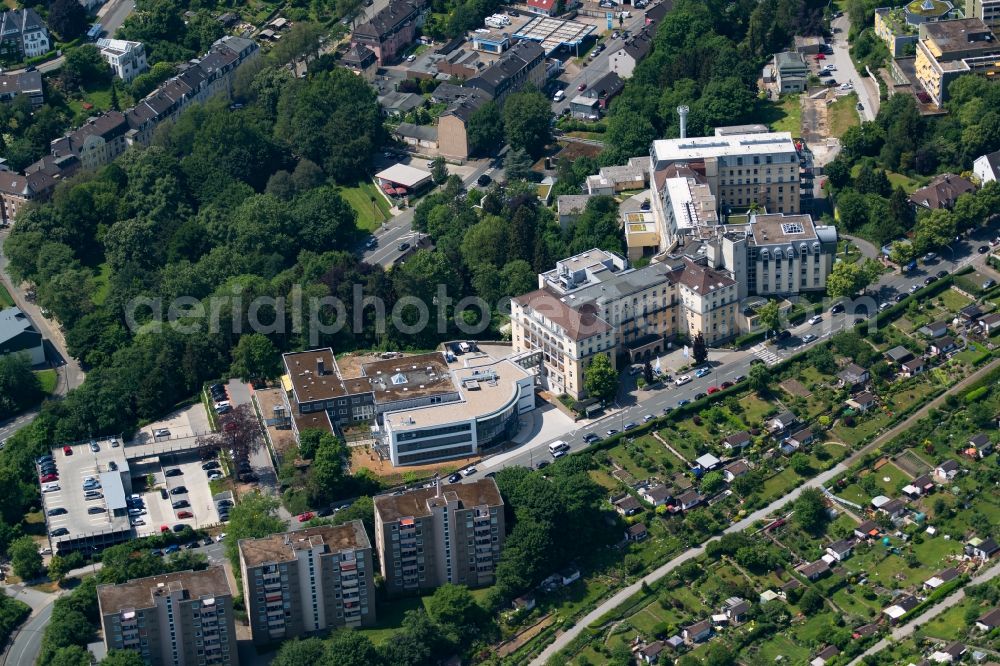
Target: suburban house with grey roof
790,72
19,336
23,34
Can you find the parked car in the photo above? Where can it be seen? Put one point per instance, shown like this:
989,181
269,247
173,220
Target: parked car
942,274
630,425
183,514
725,385
56,511
163,493
96,509
212,464
983,249
68,450
403,247
483,180
95,447
815,319
701,372
181,504
59,531
455,478
713,389
304,517
591,437
179,490
225,502
683,379
837,309
161,432
808,337
699,396
173,471
172,548
47,478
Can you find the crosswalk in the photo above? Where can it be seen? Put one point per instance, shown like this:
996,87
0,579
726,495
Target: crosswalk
762,352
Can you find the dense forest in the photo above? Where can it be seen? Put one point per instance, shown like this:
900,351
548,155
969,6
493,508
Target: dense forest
706,55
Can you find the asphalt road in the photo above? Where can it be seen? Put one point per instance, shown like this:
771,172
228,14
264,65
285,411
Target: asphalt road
113,13
900,633
70,374
399,229
592,70
846,71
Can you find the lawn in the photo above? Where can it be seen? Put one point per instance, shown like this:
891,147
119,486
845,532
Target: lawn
360,197
890,478
5,300
787,115
933,551
843,114
48,379
953,300
390,618
101,285
779,649
949,624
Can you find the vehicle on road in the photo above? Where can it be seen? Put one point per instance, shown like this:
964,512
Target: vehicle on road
469,471
371,243
815,319
630,425
883,306
783,335
701,372
172,548
837,309
647,418
96,509
403,247
484,180
559,96
582,87
591,437
557,446
681,403
48,478
914,288
983,249
683,379
611,431
808,337
929,257
455,478
739,378
942,274
861,107
899,298
725,385
930,279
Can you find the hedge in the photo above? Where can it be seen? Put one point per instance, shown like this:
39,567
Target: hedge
976,393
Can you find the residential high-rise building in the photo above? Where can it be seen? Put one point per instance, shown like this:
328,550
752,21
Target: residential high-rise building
177,619
307,581
949,49
445,534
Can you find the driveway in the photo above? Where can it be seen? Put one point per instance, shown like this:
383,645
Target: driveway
868,93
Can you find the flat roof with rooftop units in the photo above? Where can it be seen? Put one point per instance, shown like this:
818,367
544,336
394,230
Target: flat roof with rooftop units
283,547
735,145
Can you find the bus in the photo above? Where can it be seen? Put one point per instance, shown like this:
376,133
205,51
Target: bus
95,32
558,448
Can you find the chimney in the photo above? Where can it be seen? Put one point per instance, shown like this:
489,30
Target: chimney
682,111
437,485
320,366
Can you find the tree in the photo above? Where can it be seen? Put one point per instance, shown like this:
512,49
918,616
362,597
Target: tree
85,66
485,129
647,372
349,648
810,511
25,558
68,18
759,378
255,357
256,516
712,483
60,565
600,379
800,464
128,658
241,434
517,164
71,655
845,279
527,122
769,315
19,386
439,170
699,350
300,651
811,602
454,609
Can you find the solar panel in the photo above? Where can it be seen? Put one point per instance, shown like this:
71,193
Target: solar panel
792,227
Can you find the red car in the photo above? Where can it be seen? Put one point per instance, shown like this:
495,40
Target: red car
820,56
164,528
68,450
308,515
582,87
185,514
49,477
713,389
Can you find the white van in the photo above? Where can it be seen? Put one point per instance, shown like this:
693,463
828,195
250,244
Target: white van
559,96
557,448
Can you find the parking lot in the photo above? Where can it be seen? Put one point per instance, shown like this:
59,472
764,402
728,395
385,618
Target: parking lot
182,479
187,422
74,513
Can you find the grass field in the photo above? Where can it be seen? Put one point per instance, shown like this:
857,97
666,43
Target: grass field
48,379
843,114
360,198
101,284
5,300
786,115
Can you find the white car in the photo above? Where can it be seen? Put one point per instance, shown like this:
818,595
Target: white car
846,86
50,488
411,58
469,471
647,418
138,522
220,537
683,379
808,337
815,320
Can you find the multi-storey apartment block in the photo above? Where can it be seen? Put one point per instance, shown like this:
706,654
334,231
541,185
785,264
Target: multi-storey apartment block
740,169
949,49
23,34
308,581
390,30
445,534
178,619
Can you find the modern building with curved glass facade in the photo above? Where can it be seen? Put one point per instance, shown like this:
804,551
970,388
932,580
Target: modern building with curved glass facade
493,394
